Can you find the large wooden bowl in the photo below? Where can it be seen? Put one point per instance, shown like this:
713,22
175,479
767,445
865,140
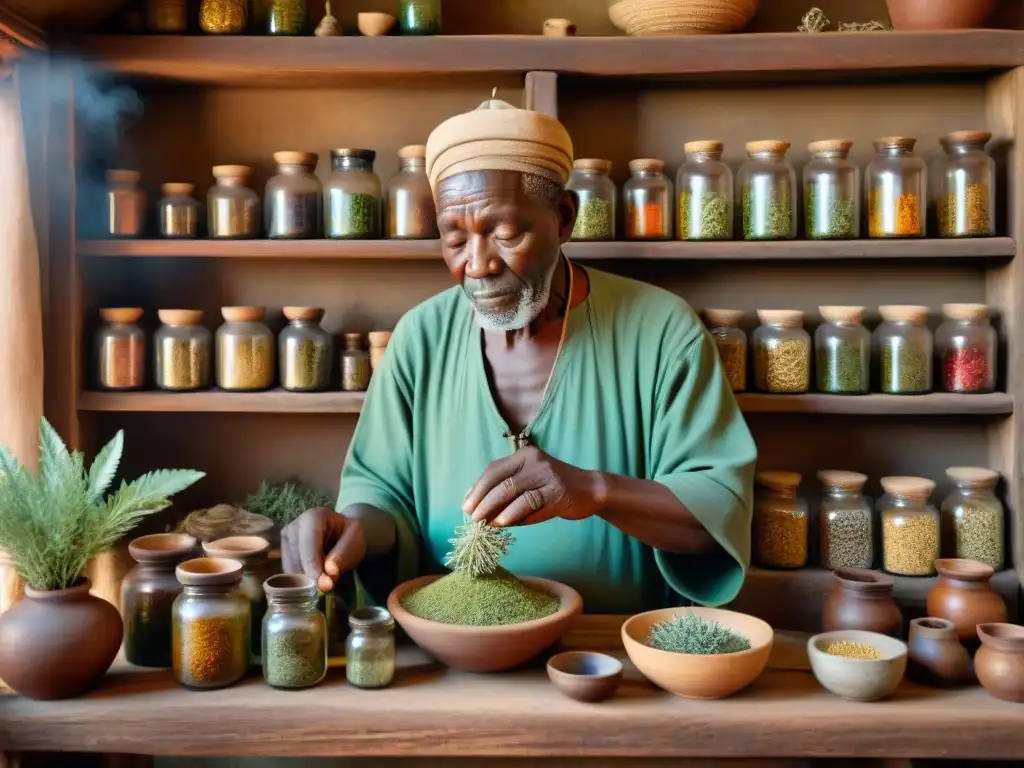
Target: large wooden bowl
487,649
681,17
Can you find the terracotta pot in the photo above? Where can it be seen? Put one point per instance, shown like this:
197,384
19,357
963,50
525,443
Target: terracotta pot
911,15
999,662
936,655
964,596
862,600
58,644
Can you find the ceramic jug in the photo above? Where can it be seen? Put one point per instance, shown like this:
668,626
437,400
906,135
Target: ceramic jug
964,596
861,599
935,655
999,662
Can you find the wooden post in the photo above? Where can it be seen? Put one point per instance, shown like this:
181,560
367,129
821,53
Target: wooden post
541,92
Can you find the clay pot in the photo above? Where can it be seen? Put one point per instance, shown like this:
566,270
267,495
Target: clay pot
964,596
56,644
915,15
936,655
862,600
999,662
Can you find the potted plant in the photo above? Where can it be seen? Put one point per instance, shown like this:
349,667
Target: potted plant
59,641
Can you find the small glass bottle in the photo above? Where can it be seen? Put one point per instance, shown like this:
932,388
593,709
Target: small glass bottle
167,17
294,633
780,527
126,204
287,17
903,344
233,210
178,211
595,215
846,524
831,192
184,350
910,526
895,186
704,191
419,17
973,517
210,625
378,343
352,196
355,364
293,198
766,192
120,349
245,350
731,343
782,352
251,552
966,347
647,197
370,648
411,211
223,17
305,351
966,186
842,351
148,593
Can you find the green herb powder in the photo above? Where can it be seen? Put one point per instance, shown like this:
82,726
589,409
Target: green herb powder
294,659
593,220
480,601
841,368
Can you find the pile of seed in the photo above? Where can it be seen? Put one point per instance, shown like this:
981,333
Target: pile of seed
780,535
910,542
905,368
850,650
593,220
782,366
480,601
974,531
733,353
846,540
713,222
841,368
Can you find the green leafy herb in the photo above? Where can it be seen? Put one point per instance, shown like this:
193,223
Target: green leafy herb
692,634
283,502
477,548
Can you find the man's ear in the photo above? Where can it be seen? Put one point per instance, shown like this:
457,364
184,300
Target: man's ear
568,205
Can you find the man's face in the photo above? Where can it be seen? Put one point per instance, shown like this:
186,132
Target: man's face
501,234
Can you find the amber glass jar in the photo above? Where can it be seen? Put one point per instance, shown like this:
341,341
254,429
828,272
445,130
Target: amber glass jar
251,552
846,522
782,352
766,192
166,17
411,211
178,211
895,187
596,212
233,210
352,196
126,204
842,352
831,192
355,364
903,345
966,186
223,17
704,193
647,200
973,517
731,342
780,521
120,349
910,526
305,351
293,198
245,350
294,633
184,351
966,347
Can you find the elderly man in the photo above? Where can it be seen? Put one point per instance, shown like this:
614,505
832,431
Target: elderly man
587,410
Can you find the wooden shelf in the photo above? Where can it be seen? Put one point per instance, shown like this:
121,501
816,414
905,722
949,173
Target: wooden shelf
262,249
936,404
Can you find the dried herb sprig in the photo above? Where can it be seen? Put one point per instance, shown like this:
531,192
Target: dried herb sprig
477,548
692,634
283,502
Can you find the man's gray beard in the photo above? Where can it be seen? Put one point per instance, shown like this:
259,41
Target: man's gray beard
532,301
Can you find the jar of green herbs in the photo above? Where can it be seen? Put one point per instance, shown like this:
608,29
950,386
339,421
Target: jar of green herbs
766,192
842,351
831,192
251,552
305,351
370,648
352,196
903,346
287,17
704,192
596,210
419,17
294,633
973,517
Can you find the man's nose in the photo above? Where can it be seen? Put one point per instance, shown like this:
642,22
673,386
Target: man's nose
483,260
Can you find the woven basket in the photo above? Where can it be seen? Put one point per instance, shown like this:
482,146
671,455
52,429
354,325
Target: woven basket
681,17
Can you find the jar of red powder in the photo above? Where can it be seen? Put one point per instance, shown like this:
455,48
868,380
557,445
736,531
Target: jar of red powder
966,344
120,349
648,201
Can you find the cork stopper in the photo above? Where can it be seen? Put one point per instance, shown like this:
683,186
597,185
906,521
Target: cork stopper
175,188
901,143
179,317
208,572
904,313
842,480
703,147
781,318
413,152
121,314
242,314
973,139
839,147
837,314
723,318
240,172
975,477
908,487
296,158
778,481
353,341
647,165
593,164
236,547
379,338
968,312
768,146
314,314
362,154
122,176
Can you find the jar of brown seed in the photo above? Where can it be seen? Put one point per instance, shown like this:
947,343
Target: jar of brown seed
782,352
910,526
305,351
973,517
233,210
780,521
120,349
411,214
731,343
183,351
245,350
355,364
846,527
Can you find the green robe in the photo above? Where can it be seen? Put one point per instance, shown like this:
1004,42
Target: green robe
638,391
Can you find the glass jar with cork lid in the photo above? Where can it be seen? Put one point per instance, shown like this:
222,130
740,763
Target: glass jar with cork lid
780,529
126,204
903,345
245,350
895,187
831,192
910,526
411,213
842,351
704,193
232,209
370,648
966,347
251,552
223,17
731,341
766,192
419,17
305,351
183,351
965,200
846,523
352,196
647,199
293,198
178,211
782,352
287,17
596,212
120,349
294,633
355,364
973,517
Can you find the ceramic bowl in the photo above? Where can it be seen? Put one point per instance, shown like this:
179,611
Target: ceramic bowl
858,679
375,24
681,17
699,677
584,675
487,649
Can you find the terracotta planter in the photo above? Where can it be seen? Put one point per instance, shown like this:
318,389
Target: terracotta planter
964,596
58,644
999,662
936,656
862,600
913,15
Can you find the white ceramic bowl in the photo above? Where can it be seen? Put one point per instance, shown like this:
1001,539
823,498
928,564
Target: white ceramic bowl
858,679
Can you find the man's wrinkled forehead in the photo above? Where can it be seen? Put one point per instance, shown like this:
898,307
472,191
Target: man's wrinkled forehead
480,187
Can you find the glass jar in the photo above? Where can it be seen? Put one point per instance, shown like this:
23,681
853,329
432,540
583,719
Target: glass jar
251,552
595,214
294,633
966,186
287,17
903,344
178,211
782,352
245,350
355,364
120,349
411,211
910,526
167,17
352,195
419,17
704,192
894,189
973,517
831,192
148,593
293,198
966,346
378,343
842,351
766,192
846,527
305,351
223,17
183,351
370,648
731,343
780,521
126,204
233,210
647,197
210,625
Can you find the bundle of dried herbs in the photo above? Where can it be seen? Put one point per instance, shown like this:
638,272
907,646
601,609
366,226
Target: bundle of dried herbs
691,634
283,502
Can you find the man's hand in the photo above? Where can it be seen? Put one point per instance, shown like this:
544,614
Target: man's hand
531,487
323,545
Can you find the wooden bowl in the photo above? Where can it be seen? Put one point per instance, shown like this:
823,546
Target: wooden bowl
693,676
919,15
486,649
584,675
681,17
858,679
375,24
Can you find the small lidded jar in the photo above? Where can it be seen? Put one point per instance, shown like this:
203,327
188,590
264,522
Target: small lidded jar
910,526
120,349
731,342
352,196
766,192
251,552
370,648
126,204
895,187
232,209
223,17
704,193
647,197
903,344
782,352
842,352
411,211
596,212
178,210
846,524
831,192
378,343
780,527
966,186
245,350
973,517
419,17
294,633
305,351
293,198
355,364
966,347
184,350
287,17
